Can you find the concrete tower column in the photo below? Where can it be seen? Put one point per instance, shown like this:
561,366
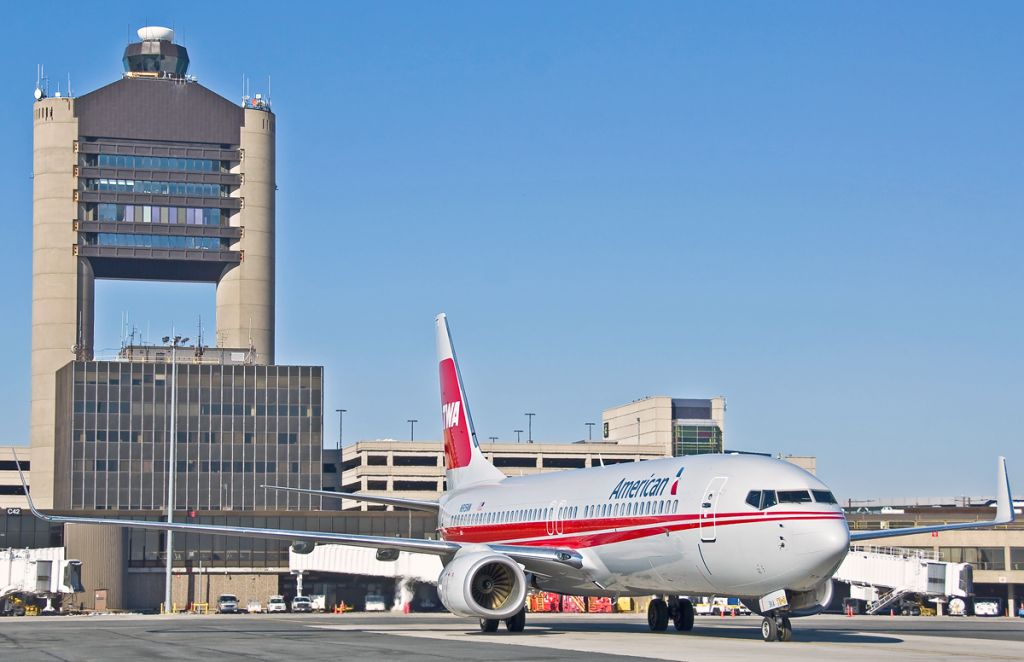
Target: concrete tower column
62,288
245,293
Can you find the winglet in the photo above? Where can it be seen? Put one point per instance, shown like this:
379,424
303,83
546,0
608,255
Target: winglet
24,484
1004,500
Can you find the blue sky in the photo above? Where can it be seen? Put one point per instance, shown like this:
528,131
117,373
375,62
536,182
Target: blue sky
814,209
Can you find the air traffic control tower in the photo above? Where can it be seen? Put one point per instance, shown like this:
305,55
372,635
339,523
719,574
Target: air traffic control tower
152,177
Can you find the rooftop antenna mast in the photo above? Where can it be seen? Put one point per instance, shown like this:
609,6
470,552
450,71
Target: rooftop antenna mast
199,338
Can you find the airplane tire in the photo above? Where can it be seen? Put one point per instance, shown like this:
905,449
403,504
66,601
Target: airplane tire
657,615
683,617
517,622
489,625
785,630
769,629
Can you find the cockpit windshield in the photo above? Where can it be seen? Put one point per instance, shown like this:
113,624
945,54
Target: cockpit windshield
763,499
794,496
823,496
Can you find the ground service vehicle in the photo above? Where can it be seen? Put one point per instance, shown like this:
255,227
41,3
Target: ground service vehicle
375,602
301,604
724,524
276,605
227,604
254,607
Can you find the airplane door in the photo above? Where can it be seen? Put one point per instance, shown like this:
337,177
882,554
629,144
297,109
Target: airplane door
709,508
553,525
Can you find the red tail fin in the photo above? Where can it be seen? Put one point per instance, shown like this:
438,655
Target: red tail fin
464,461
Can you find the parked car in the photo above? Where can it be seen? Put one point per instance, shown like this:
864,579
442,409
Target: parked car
301,603
276,604
375,602
227,604
254,607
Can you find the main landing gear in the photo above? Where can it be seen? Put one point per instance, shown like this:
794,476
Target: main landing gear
514,623
679,610
776,628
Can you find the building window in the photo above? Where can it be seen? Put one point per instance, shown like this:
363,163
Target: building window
564,462
696,439
156,241
1017,558
415,461
155,163
156,188
416,485
110,212
982,558
515,462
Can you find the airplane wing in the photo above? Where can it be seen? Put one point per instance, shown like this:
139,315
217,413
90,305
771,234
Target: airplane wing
1004,514
410,504
537,559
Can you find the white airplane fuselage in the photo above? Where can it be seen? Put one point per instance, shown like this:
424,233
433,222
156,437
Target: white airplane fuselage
673,526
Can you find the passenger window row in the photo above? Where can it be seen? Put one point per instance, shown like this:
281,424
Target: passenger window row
622,509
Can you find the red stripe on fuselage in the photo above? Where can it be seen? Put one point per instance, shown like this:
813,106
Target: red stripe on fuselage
577,534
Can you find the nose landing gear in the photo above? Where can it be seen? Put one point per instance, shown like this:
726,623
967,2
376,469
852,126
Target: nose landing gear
776,628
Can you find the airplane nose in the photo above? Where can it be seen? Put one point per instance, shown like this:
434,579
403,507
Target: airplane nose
837,539
825,542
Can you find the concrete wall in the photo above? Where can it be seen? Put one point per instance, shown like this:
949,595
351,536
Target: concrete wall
104,556
145,590
61,283
655,428
245,293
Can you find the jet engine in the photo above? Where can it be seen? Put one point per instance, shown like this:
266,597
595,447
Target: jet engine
482,584
809,603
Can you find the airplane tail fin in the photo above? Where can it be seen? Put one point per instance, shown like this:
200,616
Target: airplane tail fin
465,463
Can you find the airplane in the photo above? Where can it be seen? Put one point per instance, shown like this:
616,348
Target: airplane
749,526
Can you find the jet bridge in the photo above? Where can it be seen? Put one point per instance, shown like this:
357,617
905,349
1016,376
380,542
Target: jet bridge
882,576
30,576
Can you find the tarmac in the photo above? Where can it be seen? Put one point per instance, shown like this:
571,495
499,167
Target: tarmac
596,637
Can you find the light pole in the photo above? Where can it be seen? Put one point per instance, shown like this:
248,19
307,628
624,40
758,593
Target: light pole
590,431
637,429
518,432
493,439
529,426
412,428
341,424
172,442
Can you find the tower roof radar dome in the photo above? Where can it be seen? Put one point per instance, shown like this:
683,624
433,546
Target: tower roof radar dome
155,33
156,55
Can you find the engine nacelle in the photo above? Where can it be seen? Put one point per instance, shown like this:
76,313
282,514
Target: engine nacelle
482,584
809,603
